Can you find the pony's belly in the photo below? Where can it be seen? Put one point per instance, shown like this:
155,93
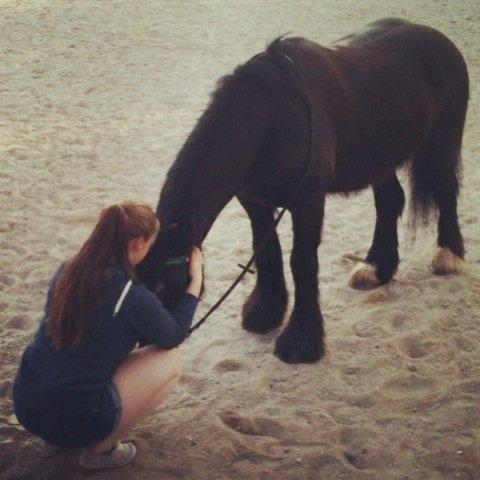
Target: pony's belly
267,196
348,184
356,174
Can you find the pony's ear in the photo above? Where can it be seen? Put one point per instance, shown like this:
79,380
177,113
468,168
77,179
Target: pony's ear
179,232
172,227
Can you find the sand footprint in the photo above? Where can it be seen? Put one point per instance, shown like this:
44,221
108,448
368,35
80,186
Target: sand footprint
408,384
255,426
415,347
262,436
361,454
229,365
20,322
6,280
195,384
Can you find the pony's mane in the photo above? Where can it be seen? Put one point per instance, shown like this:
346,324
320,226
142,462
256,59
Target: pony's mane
273,72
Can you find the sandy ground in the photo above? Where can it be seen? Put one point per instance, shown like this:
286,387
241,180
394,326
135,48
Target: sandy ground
96,98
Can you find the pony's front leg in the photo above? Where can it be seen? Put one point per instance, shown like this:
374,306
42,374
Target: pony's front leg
265,308
302,341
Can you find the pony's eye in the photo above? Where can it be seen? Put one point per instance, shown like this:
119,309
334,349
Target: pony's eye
158,288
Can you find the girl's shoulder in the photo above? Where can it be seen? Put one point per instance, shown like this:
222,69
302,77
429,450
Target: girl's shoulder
143,301
140,293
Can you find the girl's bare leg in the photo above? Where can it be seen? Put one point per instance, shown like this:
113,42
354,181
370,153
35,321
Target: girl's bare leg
143,381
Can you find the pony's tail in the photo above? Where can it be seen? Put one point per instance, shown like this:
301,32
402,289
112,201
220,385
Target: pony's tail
435,172
436,167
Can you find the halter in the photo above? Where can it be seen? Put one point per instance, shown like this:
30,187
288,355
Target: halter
174,261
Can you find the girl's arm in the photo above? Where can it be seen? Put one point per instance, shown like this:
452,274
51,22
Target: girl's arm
154,323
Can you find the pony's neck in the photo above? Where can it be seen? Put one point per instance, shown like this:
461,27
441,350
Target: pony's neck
195,216
215,161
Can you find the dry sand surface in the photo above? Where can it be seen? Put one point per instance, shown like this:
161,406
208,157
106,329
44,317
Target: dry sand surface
96,99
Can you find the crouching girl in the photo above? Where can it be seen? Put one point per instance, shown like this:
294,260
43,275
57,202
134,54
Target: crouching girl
82,382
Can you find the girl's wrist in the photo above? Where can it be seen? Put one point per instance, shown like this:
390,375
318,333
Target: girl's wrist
195,287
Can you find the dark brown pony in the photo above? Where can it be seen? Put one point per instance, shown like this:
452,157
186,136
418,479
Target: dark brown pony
393,94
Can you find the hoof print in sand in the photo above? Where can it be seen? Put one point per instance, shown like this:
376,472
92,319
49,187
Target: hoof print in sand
369,459
415,347
357,459
361,453
256,426
228,365
7,280
20,322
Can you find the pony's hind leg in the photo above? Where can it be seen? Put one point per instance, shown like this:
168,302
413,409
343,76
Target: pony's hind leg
265,308
450,252
436,164
382,259
439,171
435,184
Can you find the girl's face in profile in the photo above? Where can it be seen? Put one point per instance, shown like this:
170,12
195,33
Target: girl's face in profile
138,248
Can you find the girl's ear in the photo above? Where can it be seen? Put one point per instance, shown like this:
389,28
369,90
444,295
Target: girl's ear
134,244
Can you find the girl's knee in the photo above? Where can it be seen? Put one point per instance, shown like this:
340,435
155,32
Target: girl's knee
176,361
170,360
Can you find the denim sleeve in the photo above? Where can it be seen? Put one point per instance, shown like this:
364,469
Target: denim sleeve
155,324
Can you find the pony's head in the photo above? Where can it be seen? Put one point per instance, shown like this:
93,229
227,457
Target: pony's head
165,270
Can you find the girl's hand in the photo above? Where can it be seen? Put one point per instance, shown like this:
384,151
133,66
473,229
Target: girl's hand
196,271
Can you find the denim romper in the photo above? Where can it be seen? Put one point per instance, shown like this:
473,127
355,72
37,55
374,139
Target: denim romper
67,396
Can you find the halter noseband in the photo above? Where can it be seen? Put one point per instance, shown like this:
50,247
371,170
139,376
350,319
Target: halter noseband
174,261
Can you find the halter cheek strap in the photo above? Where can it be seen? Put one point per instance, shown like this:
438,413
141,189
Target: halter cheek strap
122,297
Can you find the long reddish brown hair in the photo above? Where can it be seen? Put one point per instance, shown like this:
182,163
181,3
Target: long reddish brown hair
82,282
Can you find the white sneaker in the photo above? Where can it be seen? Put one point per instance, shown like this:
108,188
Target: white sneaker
121,454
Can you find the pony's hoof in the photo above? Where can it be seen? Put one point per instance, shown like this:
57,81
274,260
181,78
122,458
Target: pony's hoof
255,323
262,314
294,347
364,277
445,262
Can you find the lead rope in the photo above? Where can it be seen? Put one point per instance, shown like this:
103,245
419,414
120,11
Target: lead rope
245,269
262,243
